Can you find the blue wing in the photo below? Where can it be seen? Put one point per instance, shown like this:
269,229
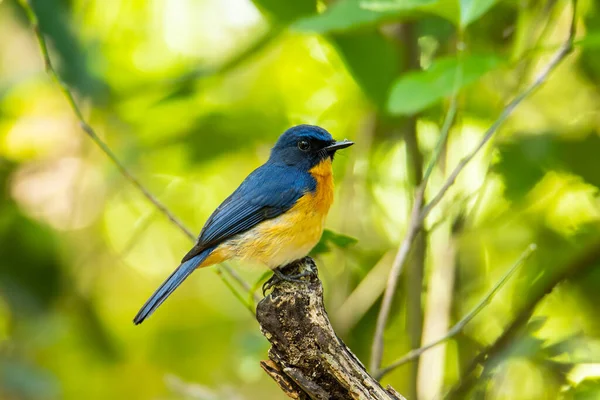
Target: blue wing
266,193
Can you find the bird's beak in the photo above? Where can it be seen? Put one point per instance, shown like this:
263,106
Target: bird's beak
342,144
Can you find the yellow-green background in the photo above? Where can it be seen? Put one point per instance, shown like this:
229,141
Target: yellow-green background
191,94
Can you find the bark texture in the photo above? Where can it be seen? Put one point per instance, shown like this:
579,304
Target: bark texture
307,359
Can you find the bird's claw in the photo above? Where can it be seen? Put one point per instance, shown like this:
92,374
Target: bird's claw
266,286
291,278
279,277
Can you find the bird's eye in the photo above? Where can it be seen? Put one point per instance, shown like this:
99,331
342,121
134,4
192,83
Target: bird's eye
304,145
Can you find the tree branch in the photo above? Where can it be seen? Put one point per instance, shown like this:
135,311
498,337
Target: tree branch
419,215
307,359
560,55
108,152
459,326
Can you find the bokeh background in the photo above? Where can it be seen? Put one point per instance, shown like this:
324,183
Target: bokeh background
191,94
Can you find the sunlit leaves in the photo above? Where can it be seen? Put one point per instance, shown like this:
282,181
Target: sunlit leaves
415,91
587,389
557,357
352,14
525,161
448,9
418,90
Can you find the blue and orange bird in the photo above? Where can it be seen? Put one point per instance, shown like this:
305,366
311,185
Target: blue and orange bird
274,217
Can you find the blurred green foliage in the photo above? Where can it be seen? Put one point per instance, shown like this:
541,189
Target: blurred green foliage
415,91
191,94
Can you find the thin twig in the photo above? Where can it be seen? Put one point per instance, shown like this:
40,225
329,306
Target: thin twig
543,20
88,129
414,228
459,326
584,262
106,149
564,51
236,277
418,216
448,120
392,282
236,293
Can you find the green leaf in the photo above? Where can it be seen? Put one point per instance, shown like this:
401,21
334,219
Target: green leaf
372,60
346,15
447,9
287,11
418,90
470,10
331,238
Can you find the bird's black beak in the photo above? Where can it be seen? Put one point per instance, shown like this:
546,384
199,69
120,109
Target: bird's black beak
342,144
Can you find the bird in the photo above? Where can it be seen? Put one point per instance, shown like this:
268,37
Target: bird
275,216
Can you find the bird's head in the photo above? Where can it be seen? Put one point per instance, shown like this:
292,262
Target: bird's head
306,146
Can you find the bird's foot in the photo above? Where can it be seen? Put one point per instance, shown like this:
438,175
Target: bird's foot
279,277
291,278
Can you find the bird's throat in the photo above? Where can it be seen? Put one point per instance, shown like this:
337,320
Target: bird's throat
322,169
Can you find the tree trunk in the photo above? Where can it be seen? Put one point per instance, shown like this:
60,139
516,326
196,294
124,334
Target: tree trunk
307,359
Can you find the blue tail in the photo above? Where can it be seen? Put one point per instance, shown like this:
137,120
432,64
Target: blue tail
169,286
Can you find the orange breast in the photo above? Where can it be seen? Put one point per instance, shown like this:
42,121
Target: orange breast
323,196
290,236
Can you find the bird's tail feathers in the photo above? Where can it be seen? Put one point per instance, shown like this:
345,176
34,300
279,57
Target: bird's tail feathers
169,286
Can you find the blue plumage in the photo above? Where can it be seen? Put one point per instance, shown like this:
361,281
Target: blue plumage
268,192
169,285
